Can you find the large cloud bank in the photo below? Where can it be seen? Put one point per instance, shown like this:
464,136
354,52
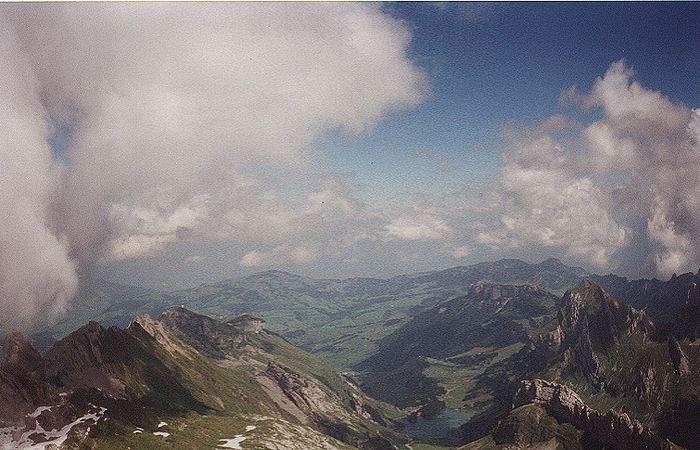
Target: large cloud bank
625,183
177,113
191,124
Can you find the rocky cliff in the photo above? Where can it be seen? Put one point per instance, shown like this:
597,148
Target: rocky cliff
610,430
23,385
184,375
589,322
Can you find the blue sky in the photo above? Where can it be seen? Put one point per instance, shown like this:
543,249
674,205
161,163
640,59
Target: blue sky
201,141
495,64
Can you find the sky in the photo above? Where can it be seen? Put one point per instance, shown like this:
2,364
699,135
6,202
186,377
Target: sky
493,64
171,145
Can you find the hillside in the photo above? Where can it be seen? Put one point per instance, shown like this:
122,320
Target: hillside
466,333
182,381
339,320
605,354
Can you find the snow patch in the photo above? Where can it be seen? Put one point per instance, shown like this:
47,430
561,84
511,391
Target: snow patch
237,439
55,437
232,443
40,410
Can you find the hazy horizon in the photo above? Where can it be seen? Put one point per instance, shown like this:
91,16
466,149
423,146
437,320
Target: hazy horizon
168,145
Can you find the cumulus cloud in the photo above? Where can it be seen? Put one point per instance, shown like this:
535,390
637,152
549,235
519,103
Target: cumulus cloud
417,227
586,189
546,204
281,255
36,274
176,114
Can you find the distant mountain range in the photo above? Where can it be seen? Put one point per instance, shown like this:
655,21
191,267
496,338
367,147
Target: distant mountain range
341,320
541,355
338,319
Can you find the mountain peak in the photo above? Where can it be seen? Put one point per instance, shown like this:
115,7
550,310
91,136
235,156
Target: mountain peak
588,291
552,262
20,355
591,320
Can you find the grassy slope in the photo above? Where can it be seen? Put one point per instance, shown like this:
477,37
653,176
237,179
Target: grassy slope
340,320
443,351
222,400
638,374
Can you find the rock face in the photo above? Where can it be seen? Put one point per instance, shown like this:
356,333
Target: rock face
301,392
573,321
612,429
23,384
246,324
678,357
672,305
209,336
324,408
589,321
90,357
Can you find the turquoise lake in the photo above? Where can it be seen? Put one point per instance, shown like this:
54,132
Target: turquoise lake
437,428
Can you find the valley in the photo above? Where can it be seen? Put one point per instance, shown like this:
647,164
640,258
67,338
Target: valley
434,360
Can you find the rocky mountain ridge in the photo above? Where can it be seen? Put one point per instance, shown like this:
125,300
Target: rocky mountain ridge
190,370
610,429
600,367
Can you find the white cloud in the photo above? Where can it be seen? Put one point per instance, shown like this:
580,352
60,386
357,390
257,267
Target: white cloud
188,122
170,103
417,227
279,256
37,277
556,191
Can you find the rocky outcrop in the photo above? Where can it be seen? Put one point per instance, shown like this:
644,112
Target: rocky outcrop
23,384
325,409
678,357
589,321
610,429
651,384
165,337
246,324
90,357
573,320
210,336
530,427
298,389
548,345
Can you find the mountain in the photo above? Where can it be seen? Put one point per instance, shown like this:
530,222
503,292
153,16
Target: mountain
672,305
607,358
468,330
483,353
182,381
97,300
486,354
431,363
551,274
339,320
551,415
